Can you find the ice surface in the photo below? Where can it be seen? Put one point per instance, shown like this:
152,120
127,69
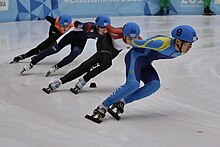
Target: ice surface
185,112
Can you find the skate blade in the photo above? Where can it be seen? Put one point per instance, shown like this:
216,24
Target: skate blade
48,73
46,90
96,120
12,62
209,14
74,91
115,115
22,71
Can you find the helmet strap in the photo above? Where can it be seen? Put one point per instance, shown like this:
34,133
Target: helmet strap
180,46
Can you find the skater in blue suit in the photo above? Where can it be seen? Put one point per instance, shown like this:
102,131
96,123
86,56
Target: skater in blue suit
139,67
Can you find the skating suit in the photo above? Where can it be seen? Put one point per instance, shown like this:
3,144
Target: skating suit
108,47
55,32
139,68
76,37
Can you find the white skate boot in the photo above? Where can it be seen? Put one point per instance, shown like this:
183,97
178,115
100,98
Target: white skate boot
52,70
79,85
26,68
52,86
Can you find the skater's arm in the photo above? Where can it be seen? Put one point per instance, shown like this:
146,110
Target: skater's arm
154,43
87,27
116,33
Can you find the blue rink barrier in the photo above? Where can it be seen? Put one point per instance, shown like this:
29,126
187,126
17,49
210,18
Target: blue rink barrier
20,10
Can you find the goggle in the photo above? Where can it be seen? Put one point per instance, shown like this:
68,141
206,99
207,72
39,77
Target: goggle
132,37
102,27
65,24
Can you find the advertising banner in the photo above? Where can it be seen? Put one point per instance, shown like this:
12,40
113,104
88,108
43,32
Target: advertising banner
88,8
189,7
20,10
3,5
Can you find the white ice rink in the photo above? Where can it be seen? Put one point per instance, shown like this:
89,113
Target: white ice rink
185,112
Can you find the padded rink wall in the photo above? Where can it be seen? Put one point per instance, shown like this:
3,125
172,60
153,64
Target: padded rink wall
20,10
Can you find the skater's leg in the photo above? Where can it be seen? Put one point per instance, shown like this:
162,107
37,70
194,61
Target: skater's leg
75,72
80,70
133,74
106,52
52,50
151,84
55,48
75,51
42,46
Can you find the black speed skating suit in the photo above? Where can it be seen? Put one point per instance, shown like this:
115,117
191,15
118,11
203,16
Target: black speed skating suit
106,52
54,34
77,40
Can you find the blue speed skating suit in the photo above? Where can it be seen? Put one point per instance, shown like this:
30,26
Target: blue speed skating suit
139,68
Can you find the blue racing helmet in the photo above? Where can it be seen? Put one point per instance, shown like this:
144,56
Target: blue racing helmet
65,20
185,33
131,29
102,21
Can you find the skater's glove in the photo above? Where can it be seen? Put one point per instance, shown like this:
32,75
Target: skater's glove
50,19
78,24
87,27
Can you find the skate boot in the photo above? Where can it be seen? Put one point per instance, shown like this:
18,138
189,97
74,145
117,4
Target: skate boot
118,107
100,112
211,12
18,58
98,115
207,11
52,70
52,86
168,12
26,68
79,85
161,11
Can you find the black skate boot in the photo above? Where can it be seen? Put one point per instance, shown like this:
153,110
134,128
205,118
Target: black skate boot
116,109
98,115
211,12
119,106
18,58
161,12
168,12
207,11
